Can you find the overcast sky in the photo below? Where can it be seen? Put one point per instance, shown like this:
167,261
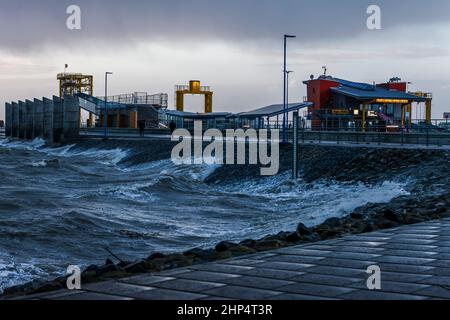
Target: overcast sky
235,46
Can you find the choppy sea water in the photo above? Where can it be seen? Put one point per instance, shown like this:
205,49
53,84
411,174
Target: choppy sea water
64,206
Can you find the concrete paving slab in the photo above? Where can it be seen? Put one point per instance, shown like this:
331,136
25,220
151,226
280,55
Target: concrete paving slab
412,268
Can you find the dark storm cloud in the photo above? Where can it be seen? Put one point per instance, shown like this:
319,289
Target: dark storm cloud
26,25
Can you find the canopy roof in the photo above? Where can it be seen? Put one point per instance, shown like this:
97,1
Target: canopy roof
364,91
274,110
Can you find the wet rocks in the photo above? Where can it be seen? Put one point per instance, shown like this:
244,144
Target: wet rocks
302,230
248,243
313,237
356,215
390,215
224,246
200,255
325,233
367,228
107,268
332,222
265,245
294,237
242,250
303,234
137,267
156,255
369,165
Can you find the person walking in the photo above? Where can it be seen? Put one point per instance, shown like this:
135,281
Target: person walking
142,128
172,126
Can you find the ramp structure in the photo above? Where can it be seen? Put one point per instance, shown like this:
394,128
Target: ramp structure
124,111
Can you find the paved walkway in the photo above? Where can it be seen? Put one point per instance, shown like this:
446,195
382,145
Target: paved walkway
415,264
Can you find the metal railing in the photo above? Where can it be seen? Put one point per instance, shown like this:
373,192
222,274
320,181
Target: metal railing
436,125
188,88
84,124
426,136
417,134
160,99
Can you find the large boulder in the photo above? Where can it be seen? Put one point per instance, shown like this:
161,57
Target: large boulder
224,246
265,245
332,222
390,215
200,254
294,237
303,230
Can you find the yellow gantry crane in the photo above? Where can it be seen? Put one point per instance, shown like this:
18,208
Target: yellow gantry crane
196,89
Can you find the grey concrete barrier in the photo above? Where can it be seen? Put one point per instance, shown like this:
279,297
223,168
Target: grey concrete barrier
48,120
22,120
71,125
58,119
15,120
38,120
29,116
8,119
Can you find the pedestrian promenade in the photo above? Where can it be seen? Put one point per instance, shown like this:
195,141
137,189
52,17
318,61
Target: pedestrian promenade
414,262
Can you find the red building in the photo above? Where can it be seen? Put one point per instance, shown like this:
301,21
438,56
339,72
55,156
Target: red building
343,104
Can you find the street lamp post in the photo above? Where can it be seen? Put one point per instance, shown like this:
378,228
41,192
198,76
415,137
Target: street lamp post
287,97
105,114
284,89
287,86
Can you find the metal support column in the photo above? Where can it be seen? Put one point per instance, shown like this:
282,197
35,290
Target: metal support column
364,117
295,147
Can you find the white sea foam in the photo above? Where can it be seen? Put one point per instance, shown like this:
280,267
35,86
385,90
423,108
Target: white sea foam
314,203
15,273
153,173
133,192
58,152
168,168
153,166
104,156
38,164
22,145
107,157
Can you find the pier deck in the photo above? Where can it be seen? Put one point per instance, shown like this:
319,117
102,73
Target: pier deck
414,262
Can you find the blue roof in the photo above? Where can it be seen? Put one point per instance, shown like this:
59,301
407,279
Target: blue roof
376,93
273,110
191,115
365,91
355,85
